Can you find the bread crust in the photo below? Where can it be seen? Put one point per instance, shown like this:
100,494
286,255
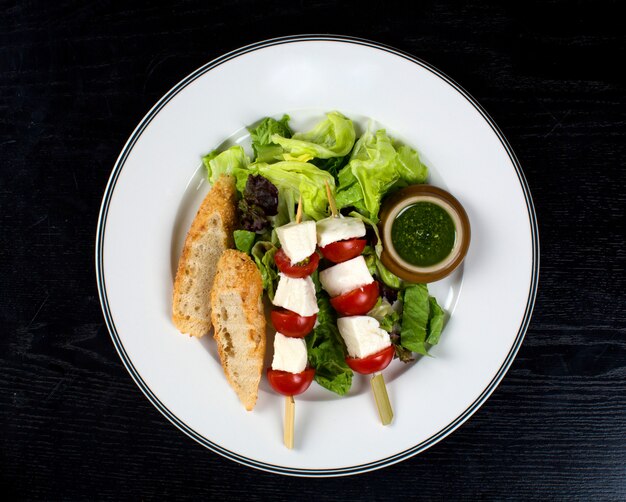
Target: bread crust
237,296
210,234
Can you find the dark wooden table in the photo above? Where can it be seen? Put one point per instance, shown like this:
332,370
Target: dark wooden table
75,79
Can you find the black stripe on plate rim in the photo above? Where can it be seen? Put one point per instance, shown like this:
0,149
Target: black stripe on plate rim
343,471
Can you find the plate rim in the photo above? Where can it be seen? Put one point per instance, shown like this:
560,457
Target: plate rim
177,422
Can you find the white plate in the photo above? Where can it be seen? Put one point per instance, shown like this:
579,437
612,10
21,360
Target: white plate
157,184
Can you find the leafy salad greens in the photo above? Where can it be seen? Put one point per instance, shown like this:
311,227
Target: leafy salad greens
360,173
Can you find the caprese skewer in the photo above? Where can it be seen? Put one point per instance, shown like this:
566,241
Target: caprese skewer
354,292
295,295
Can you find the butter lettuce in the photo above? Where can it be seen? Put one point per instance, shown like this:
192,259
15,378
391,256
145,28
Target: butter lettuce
332,137
409,166
293,179
232,161
375,168
332,165
264,148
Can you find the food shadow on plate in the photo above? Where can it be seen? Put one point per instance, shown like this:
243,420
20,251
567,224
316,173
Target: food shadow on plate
208,343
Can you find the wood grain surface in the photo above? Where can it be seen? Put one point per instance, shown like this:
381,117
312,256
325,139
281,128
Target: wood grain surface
76,78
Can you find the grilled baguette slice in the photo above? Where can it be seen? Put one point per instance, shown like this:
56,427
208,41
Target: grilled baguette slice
239,323
210,234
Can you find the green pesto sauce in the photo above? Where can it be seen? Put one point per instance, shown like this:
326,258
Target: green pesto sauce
423,234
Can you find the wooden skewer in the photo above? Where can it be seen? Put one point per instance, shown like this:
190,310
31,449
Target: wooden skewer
299,211
382,399
290,403
290,416
331,201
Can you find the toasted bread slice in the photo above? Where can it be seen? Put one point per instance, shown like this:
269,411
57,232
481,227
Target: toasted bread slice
210,234
239,323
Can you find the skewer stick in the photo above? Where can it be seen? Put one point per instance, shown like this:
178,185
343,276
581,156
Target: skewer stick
299,211
290,416
290,403
382,399
331,201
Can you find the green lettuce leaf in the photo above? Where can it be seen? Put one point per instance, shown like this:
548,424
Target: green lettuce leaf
389,322
244,240
370,173
332,165
326,350
332,137
263,254
435,321
415,314
232,161
376,168
410,167
264,148
422,320
293,179
389,278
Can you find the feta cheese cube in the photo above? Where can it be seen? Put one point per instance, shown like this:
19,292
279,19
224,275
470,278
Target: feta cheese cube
363,335
333,229
289,354
298,240
346,276
297,295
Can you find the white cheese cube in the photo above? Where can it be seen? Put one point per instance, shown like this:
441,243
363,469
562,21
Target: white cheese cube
297,295
333,229
363,335
298,240
289,354
346,276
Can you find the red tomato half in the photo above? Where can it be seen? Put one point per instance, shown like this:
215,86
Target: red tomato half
343,250
297,270
290,384
291,324
372,363
358,301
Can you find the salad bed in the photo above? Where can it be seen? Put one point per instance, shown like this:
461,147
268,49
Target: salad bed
287,167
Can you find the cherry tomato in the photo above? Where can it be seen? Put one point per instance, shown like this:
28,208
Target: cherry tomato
298,270
358,301
290,384
343,250
372,363
291,324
